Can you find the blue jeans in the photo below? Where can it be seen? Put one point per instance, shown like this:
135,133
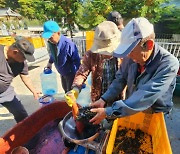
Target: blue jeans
16,108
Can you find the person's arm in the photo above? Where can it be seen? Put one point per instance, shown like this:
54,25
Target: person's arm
83,71
49,65
50,48
148,93
144,97
118,84
27,81
123,94
80,78
51,60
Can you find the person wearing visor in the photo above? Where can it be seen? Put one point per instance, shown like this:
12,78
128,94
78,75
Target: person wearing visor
13,63
99,61
63,53
148,70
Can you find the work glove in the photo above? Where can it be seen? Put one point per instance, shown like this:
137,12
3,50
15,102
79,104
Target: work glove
71,96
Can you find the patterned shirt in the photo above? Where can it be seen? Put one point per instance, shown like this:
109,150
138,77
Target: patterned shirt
109,71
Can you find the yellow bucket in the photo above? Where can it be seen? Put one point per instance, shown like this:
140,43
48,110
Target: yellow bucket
152,124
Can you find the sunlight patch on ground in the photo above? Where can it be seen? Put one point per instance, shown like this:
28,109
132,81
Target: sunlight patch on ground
3,110
6,118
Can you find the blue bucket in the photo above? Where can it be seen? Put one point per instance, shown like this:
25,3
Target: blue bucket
46,99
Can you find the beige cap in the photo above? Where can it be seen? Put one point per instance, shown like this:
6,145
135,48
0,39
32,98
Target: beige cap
106,39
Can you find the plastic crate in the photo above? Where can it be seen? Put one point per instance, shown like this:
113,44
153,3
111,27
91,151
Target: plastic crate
38,42
7,40
89,39
153,124
43,42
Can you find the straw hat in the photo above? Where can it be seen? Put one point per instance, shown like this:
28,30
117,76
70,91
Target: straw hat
106,38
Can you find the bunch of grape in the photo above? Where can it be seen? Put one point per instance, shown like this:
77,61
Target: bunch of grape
85,114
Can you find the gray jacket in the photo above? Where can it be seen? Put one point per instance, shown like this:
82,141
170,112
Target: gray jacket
152,89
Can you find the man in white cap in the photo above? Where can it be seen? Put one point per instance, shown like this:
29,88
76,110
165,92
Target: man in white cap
99,61
148,70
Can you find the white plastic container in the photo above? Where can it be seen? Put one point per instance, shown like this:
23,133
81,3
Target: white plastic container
84,98
48,82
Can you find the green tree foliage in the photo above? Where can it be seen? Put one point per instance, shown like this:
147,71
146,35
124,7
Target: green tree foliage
88,13
9,3
38,9
151,9
27,8
94,12
171,21
52,9
2,3
68,10
13,4
45,10
176,25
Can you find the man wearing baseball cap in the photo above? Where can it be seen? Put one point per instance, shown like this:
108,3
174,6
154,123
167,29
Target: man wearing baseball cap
148,70
63,53
13,64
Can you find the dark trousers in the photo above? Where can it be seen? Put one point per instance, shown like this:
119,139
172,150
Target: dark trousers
67,81
16,108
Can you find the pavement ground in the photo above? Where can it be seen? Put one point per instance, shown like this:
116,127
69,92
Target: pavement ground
7,120
31,105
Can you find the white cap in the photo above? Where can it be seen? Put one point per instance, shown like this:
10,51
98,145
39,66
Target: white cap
132,34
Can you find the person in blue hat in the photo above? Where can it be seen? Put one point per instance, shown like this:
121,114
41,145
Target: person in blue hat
63,53
148,70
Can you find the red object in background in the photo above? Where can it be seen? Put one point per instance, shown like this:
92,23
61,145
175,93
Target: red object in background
75,112
178,72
